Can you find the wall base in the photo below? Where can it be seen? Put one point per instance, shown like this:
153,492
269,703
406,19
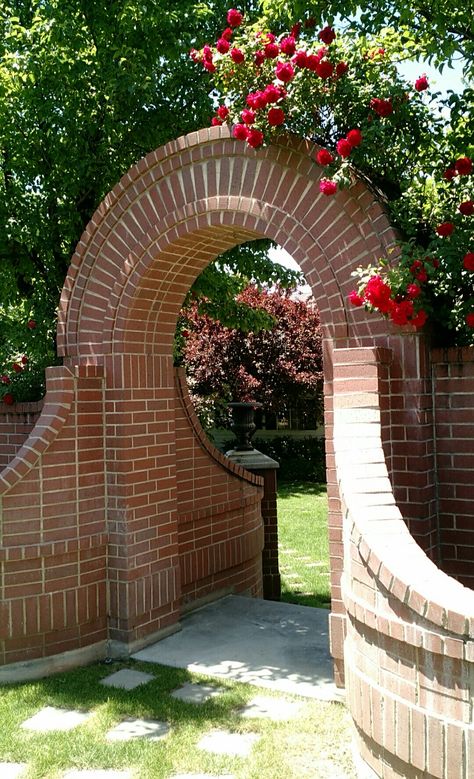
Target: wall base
47,666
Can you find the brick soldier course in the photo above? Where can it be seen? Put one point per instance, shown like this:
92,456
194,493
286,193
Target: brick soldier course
117,514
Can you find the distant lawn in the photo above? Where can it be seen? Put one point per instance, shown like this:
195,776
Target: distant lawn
303,544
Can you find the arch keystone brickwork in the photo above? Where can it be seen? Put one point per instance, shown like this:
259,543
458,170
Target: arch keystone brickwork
145,518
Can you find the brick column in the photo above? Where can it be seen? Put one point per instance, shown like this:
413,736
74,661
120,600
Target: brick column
258,463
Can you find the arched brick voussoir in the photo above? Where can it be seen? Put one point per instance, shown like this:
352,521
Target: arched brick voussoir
57,406
375,526
167,264
173,183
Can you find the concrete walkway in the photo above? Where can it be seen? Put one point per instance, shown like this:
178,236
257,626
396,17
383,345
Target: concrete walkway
278,646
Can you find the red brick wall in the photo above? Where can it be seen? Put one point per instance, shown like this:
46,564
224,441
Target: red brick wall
220,530
53,539
453,393
408,650
16,423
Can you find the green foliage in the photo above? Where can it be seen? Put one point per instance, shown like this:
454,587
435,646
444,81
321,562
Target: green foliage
86,90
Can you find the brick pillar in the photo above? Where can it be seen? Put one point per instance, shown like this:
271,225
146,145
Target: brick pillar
258,463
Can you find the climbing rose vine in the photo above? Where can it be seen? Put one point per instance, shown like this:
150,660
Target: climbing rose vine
344,93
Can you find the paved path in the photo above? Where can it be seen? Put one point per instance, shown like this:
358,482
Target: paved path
275,645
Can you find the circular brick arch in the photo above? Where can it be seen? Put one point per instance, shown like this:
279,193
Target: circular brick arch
186,203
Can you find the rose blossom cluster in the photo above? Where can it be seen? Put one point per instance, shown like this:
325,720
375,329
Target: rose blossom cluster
278,60
402,303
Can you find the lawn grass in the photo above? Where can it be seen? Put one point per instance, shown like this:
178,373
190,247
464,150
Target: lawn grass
303,547
315,744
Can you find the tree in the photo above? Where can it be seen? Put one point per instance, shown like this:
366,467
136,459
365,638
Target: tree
275,366
86,89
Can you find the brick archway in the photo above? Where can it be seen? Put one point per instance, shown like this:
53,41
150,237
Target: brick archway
167,218
116,513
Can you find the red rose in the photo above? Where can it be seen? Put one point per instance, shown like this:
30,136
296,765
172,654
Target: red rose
237,56
381,107
326,35
325,69
401,312
421,83
234,17
449,174
4,379
467,207
271,51
377,293
343,147
227,34
469,322
341,68
8,399
209,66
415,266
31,324
463,166
256,100
296,29
254,137
300,59
223,112
288,46
275,116
413,291
324,157
259,58
216,122
24,360
284,71
240,132
272,93
195,55
422,276
207,53
327,187
419,319
222,46
248,116
355,299
16,367
468,261
354,137
445,229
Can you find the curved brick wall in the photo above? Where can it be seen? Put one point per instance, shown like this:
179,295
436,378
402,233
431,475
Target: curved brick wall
409,646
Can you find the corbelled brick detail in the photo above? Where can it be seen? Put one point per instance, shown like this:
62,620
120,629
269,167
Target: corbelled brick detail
117,513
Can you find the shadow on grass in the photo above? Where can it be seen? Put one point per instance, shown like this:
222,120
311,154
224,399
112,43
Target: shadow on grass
291,489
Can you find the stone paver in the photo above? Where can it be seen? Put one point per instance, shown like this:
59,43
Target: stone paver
197,693
97,773
50,718
276,709
127,679
12,770
138,728
221,742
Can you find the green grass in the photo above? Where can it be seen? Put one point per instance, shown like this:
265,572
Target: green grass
303,544
316,744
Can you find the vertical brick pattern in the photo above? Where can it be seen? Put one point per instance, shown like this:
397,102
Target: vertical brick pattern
409,633
453,393
53,541
16,424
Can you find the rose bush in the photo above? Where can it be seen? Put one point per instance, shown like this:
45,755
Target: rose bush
344,93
